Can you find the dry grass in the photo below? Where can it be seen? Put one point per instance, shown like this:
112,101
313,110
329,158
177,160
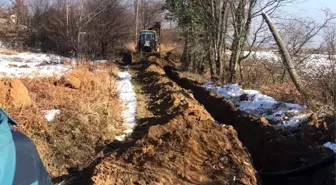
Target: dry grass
170,48
130,46
283,91
195,77
6,51
90,117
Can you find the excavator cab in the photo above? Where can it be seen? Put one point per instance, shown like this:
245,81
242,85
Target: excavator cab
148,42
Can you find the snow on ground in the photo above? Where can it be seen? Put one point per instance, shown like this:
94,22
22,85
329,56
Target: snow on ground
129,101
264,55
331,146
51,114
314,63
32,65
285,115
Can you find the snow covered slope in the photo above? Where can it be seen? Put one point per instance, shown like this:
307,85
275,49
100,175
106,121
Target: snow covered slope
32,65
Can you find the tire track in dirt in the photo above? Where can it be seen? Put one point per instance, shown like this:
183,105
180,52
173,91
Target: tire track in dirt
180,144
272,150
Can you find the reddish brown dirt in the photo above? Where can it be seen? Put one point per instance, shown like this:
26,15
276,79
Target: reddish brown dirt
272,150
180,144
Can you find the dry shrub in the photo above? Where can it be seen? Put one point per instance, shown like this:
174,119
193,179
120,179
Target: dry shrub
269,77
322,87
257,73
283,91
166,48
171,41
90,116
195,77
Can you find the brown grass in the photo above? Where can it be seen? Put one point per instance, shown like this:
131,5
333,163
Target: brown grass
6,51
195,77
90,117
283,91
130,46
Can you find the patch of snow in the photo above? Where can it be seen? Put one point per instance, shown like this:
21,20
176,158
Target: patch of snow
264,55
32,65
129,101
51,114
331,146
286,115
121,137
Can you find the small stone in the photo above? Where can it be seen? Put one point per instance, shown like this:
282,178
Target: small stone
264,121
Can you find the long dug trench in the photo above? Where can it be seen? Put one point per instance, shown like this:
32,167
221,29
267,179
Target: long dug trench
272,150
195,137
178,143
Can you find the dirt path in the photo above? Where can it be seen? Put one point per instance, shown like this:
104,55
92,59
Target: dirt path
176,141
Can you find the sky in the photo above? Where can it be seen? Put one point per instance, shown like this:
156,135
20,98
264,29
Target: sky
312,8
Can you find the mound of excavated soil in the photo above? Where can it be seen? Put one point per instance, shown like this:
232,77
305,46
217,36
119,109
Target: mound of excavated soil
86,78
181,144
13,92
155,69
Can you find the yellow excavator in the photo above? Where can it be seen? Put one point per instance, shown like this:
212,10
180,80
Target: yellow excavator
149,40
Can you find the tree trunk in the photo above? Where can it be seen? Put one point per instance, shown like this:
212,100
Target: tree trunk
238,24
285,55
210,65
218,67
78,44
185,55
234,58
103,49
241,71
283,76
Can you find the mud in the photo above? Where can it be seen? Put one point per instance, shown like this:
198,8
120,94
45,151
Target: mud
180,144
272,150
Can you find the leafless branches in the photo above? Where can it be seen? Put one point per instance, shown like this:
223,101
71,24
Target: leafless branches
80,27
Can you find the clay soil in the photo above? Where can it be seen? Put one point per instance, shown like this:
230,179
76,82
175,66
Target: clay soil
180,143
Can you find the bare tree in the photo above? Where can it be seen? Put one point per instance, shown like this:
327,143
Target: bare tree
151,11
21,10
329,37
326,77
299,33
244,12
109,28
285,55
209,26
79,27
